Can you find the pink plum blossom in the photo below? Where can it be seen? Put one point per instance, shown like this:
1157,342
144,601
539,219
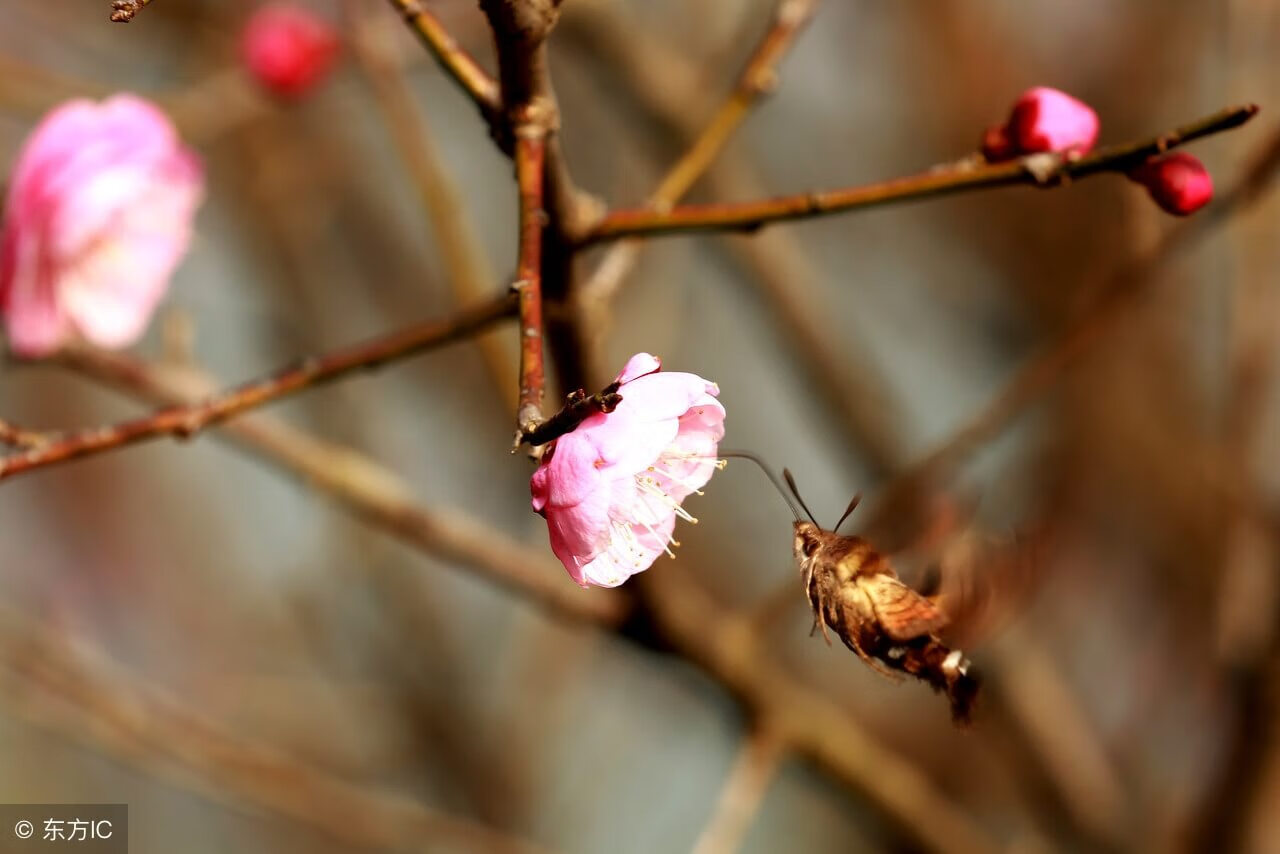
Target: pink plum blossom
1177,182
611,489
1043,120
288,48
98,214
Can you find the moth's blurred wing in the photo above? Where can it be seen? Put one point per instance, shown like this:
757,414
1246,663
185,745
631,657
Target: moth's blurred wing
903,613
985,584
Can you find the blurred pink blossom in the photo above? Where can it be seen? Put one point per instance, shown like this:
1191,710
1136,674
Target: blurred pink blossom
288,48
98,214
1177,182
611,490
1043,119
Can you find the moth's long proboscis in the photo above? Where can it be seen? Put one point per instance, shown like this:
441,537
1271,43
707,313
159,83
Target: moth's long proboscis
768,472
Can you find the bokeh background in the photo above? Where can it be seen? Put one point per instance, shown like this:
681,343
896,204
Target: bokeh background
232,652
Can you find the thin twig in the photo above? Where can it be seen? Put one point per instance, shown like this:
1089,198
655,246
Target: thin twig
807,720
530,156
122,11
1126,287
457,63
16,437
1047,714
186,421
368,490
748,782
757,78
1037,169
842,371
464,259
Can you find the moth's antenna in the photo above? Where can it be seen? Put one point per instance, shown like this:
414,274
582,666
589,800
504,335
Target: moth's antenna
791,482
768,472
852,505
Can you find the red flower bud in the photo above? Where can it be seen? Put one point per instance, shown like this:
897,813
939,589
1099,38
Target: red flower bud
1045,119
1042,120
996,145
288,48
1177,182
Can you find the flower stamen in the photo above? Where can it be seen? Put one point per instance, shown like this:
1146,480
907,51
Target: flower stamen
650,485
666,543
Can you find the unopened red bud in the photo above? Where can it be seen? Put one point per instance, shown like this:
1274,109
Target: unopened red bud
288,48
996,145
1177,182
1045,119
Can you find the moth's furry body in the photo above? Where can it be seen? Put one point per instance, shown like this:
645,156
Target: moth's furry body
855,592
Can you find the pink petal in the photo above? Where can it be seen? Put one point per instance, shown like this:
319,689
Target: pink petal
1045,119
664,395
639,365
610,489
581,532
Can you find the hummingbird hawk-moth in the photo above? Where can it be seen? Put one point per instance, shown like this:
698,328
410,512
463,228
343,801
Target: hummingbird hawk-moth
855,592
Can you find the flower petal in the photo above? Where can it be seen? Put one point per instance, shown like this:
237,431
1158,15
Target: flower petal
639,365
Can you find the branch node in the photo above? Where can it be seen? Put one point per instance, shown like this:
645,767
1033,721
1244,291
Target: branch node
1045,168
122,11
578,407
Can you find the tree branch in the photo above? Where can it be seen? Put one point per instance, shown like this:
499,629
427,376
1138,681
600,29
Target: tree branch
758,78
1126,287
367,489
842,372
15,437
1037,169
748,782
530,159
457,63
186,421
464,260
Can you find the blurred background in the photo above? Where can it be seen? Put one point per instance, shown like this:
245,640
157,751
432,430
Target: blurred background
219,642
